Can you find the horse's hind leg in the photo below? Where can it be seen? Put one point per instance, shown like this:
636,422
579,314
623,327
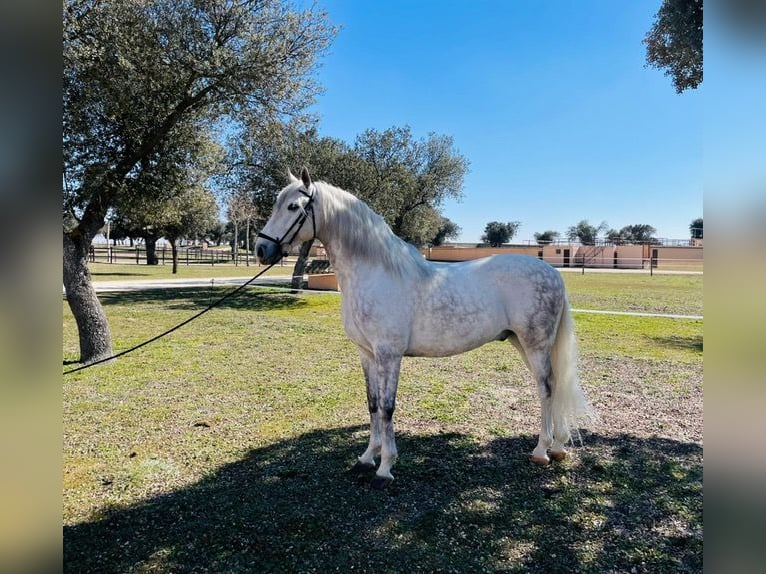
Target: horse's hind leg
539,362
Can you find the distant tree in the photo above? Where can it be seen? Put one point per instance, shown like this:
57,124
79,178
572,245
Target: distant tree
240,209
638,233
216,232
118,230
447,230
585,233
695,228
496,233
674,42
546,237
189,216
614,236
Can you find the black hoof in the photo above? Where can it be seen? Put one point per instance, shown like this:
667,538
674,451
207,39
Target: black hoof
361,468
380,482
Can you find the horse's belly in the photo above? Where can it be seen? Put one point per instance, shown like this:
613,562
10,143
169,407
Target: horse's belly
441,340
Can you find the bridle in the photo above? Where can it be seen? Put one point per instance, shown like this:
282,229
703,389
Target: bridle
299,221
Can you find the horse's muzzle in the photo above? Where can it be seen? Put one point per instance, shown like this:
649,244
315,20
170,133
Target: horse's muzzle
268,252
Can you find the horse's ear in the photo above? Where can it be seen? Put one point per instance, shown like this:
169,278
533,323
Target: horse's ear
305,177
291,177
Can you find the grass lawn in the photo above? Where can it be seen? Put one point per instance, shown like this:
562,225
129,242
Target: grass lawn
675,294
224,447
126,272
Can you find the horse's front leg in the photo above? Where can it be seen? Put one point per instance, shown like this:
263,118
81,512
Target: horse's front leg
367,460
387,365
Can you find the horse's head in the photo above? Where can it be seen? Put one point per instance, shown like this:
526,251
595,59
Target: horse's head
292,220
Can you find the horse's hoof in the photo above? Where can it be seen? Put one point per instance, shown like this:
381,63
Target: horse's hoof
558,455
540,460
361,468
380,482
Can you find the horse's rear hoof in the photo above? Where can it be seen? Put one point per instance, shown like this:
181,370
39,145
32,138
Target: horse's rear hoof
361,468
558,455
540,460
380,482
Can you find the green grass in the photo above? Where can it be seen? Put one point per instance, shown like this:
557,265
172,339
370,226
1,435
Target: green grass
127,272
223,448
676,294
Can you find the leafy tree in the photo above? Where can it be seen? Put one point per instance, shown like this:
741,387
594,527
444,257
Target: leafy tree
217,232
119,229
638,233
156,202
189,216
496,233
585,233
674,42
447,230
139,77
614,236
695,228
546,237
405,179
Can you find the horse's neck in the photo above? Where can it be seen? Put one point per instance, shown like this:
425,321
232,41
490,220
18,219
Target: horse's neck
342,257
378,250
341,260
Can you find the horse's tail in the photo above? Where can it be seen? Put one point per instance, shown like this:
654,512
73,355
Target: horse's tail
569,405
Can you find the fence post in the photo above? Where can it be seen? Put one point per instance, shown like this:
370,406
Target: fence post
136,254
187,256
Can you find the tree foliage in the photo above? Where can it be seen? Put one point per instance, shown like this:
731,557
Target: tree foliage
496,233
448,229
695,228
638,233
584,232
407,180
674,42
546,237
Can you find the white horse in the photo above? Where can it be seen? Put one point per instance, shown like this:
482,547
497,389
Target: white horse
395,303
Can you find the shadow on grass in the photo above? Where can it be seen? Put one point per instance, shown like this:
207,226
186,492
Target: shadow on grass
196,298
684,343
624,504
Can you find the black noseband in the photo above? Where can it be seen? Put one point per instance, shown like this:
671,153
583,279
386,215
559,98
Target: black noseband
299,221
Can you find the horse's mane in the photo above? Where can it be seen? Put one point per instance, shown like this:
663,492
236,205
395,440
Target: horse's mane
366,234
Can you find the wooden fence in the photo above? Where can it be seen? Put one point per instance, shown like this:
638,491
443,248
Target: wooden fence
186,255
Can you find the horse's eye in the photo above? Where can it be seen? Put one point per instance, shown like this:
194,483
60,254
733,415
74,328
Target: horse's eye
292,207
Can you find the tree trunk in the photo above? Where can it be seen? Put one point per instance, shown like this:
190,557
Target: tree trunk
236,244
174,250
300,264
247,243
92,326
151,250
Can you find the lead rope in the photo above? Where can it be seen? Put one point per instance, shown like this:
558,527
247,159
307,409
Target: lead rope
189,320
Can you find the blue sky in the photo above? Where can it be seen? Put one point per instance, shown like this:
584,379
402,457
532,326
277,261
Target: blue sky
549,101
